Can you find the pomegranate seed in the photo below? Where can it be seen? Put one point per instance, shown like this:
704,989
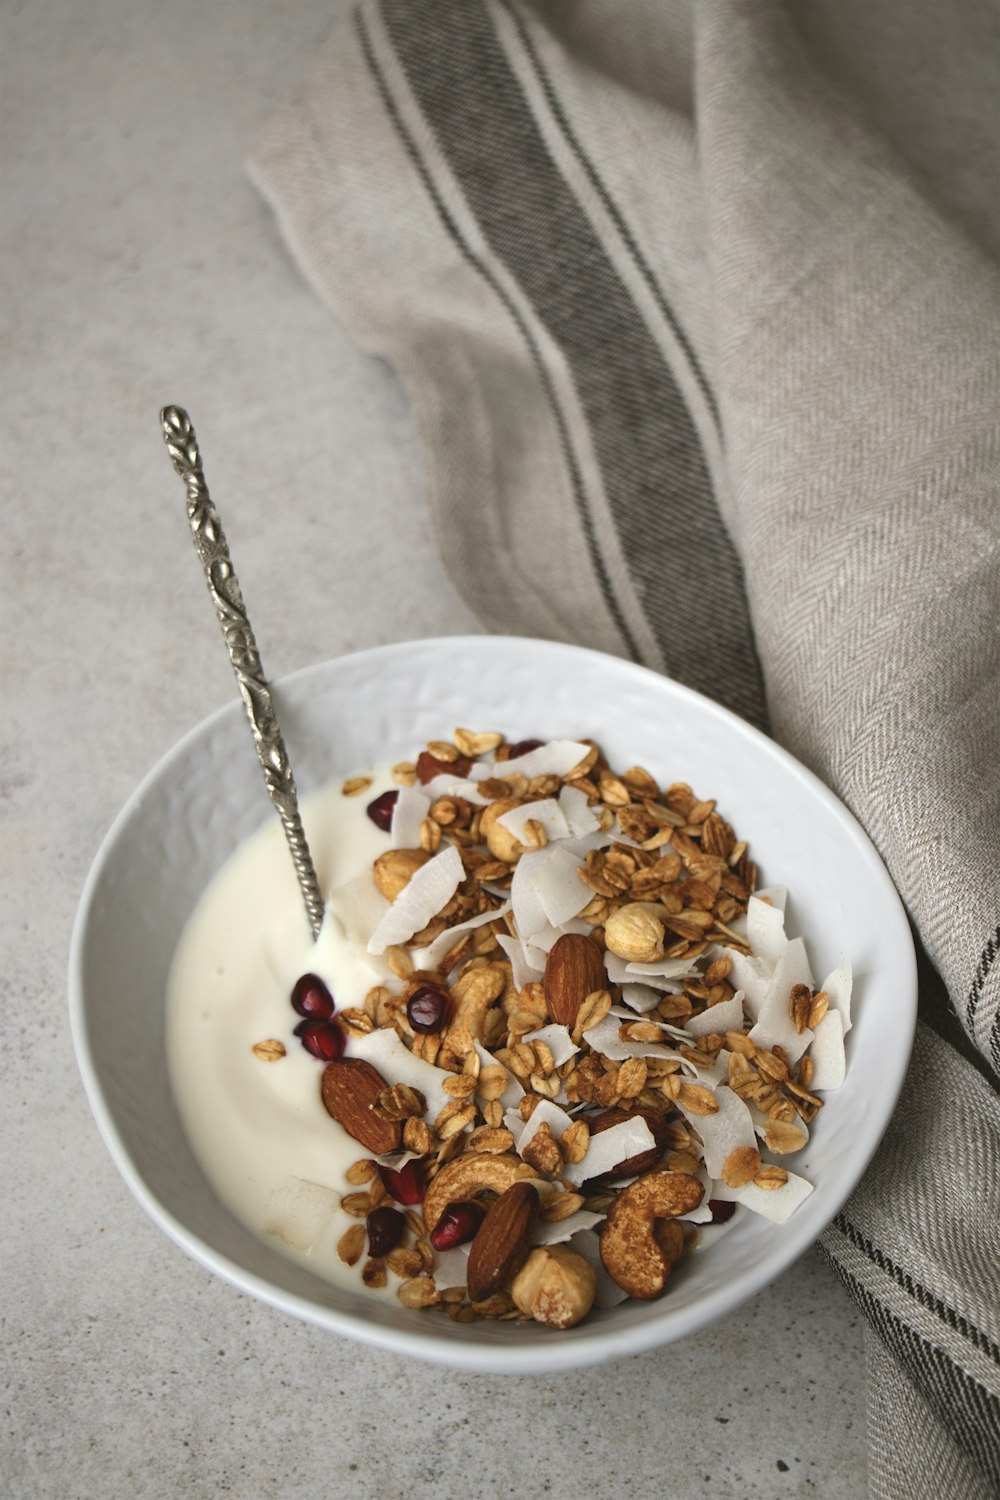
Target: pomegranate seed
457,1225
722,1211
324,1039
380,811
385,1230
426,1009
312,999
523,747
406,1184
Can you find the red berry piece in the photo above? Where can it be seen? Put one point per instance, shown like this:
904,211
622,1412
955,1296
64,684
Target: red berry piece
381,809
324,1039
722,1210
385,1230
457,1225
524,747
312,999
406,1184
427,1009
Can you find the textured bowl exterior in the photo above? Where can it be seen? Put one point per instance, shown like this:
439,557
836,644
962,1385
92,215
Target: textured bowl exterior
206,796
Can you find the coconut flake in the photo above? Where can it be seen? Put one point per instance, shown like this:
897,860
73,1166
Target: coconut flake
752,976
445,785
410,810
428,889
728,1016
429,957
620,972
774,1025
604,1038
838,988
523,971
298,1213
553,759
548,1232
580,819
558,1041
766,925
560,891
723,1132
359,906
776,1204
545,1113
829,1059
545,811
641,997
663,968
451,1267
608,1293
608,1148
529,913
397,1064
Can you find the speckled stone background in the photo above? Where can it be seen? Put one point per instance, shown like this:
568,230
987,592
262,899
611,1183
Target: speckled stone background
140,268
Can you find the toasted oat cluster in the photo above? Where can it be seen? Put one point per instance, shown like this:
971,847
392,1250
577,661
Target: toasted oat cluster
593,1042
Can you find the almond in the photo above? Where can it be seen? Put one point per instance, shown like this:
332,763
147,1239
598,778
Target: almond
574,969
429,766
633,1165
351,1088
503,1241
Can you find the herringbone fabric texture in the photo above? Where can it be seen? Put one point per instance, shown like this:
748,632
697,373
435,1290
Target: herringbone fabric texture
703,302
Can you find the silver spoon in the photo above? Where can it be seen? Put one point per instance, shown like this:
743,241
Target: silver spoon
223,585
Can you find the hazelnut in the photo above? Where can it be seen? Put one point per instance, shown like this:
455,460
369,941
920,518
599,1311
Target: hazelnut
555,1286
395,869
501,843
635,933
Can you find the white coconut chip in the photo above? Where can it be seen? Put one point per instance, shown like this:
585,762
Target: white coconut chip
619,972
774,1025
752,976
298,1213
641,997
838,988
829,1059
580,820
359,906
553,759
703,1213
512,1088
529,913
604,1038
546,938
766,925
430,957
408,814
723,1132
558,1041
608,1148
545,811
728,1016
451,1267
560,891
428,889
445,785
663,968
523,971
776,1204
712,1076
385,1051
396,1159
549,1233
608,1293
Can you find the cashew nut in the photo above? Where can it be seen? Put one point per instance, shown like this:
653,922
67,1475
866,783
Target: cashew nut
473,992
634,1256
466,1176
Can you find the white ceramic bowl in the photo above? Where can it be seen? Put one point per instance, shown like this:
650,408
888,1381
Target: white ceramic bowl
206,796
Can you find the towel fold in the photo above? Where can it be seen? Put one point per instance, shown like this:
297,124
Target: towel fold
698,312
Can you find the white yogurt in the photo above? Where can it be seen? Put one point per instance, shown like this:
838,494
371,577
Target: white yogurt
256,1126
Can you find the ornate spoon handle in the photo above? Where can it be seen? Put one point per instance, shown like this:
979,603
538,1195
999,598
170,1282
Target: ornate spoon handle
223,585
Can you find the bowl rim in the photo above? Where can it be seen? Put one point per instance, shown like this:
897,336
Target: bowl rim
588,1343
